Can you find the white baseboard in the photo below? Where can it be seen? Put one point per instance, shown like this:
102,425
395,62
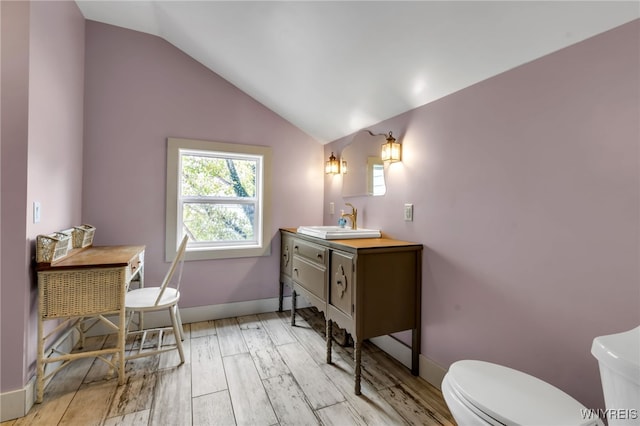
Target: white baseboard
211,312
429,370
227,310
432,372
17,403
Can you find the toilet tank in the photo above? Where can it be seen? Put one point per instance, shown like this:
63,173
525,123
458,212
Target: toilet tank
618,358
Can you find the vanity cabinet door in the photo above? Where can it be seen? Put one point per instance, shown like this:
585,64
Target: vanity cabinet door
341,289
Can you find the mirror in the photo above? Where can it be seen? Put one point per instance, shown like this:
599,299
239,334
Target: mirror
365,170
375,177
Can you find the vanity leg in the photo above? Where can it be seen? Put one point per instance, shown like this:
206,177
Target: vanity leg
329,340
357,348
293,308
415,351
280,297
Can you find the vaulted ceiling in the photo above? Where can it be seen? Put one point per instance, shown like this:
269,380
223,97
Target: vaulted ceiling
333,67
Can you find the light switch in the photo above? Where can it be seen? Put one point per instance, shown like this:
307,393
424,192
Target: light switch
36,211
408,212
332,208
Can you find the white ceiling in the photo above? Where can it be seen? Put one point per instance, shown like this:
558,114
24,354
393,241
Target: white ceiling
333,67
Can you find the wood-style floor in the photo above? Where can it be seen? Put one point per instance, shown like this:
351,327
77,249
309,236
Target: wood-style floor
250,370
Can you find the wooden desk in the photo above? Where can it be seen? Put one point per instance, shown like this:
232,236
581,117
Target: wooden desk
89,283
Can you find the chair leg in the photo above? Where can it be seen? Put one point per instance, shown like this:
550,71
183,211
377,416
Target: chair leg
181,327
176,331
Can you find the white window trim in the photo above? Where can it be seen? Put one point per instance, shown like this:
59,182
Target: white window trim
174,148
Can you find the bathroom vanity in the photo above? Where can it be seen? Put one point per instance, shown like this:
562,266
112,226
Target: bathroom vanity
370,286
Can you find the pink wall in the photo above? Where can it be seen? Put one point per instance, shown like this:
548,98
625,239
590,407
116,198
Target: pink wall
13,254
526,196
141,90
41,158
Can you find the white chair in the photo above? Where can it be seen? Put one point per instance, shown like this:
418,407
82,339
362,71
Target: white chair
148,299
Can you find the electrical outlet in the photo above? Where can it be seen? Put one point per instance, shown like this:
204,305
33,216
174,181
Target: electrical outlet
408,212
332,208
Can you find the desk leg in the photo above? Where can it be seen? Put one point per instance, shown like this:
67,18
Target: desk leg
141,275
141,281
40,362
122,336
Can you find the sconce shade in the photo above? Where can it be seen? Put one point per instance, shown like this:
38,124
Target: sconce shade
332,166
391,150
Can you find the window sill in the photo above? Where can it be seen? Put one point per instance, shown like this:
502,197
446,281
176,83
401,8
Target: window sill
227,253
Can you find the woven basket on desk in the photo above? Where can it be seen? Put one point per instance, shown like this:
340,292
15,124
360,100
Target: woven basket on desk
52,247
83,235
81,292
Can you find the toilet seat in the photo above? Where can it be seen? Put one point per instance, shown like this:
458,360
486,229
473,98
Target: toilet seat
513,397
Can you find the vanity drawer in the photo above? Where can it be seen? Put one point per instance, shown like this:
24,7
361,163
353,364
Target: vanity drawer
311,252
342,285
310,276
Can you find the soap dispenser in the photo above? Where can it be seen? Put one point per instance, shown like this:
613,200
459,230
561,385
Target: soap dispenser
342,221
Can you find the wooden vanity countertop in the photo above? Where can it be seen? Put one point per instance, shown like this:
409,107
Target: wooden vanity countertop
359,243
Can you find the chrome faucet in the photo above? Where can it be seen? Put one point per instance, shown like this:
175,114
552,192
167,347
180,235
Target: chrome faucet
353,216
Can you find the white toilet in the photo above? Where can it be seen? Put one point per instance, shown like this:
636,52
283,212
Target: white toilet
482,393
619,361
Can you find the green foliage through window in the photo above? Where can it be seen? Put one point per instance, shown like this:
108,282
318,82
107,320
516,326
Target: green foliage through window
218,194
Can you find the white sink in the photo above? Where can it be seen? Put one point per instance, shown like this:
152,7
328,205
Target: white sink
337,233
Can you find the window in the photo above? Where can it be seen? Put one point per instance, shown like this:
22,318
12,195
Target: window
217,194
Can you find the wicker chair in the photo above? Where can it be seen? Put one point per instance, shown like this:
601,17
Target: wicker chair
148,299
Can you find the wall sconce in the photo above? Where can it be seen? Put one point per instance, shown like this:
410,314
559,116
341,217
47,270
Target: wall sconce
332,166
391,150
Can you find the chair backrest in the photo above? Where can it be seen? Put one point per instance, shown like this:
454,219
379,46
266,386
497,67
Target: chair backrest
176,267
